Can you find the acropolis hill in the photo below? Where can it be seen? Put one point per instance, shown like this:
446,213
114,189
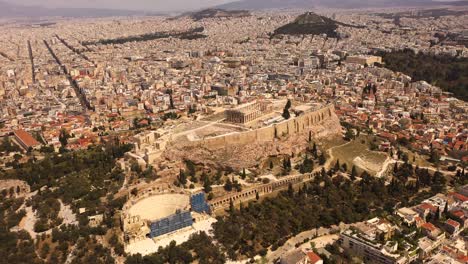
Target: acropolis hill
237,144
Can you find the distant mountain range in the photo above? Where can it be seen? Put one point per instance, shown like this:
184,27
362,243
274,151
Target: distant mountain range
213,13
8,10
346,4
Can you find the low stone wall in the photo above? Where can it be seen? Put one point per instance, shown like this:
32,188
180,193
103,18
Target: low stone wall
14,188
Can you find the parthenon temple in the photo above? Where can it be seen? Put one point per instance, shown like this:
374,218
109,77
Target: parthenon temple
248,112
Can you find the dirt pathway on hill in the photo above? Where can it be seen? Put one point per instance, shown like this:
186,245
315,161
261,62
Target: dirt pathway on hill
29,221
389,161
66,213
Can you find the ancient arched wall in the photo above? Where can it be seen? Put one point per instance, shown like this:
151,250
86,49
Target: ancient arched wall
251,193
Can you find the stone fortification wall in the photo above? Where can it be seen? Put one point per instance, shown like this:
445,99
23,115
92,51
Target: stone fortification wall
289,127
251,193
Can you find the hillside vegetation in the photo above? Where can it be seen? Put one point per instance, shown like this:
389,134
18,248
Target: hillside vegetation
451,74
309,24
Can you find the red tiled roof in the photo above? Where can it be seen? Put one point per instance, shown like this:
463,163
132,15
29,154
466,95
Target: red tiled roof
84,142
453,223
463,259
447,249
314,258
458,145
459,197
429,226
426,206
458,213
143,122
450,135
26,138
419,220
388,135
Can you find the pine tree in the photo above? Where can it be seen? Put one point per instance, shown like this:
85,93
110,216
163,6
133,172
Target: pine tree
243,175
435,157
287,164
437,214
337,165
257,196
349,135
322,159
344,166
204,177
228,185
323,172
207,186
307,165
182,177
353,173
194,179
290,190
171,100
286,114
288,104
63,137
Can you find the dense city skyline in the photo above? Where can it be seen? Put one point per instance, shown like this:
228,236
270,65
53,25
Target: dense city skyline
261,131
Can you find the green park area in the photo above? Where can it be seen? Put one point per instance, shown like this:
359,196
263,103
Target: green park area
358,153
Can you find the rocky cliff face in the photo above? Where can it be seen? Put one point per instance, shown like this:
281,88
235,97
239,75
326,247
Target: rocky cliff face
250,155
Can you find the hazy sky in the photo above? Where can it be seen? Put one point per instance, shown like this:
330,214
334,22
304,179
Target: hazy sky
151,5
